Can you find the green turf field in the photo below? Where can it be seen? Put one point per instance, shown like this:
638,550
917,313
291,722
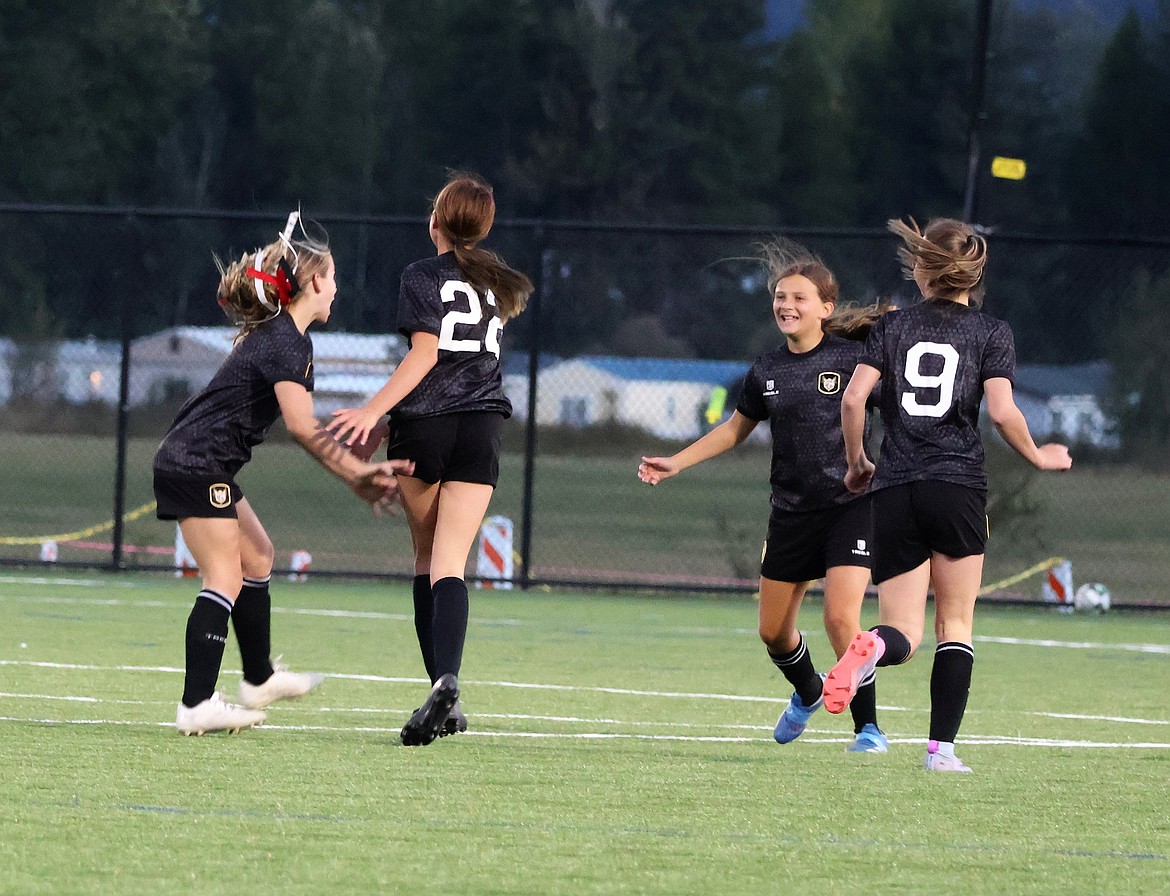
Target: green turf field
591,516
617,745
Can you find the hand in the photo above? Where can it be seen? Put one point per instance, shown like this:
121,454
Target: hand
357,422
378,487
652,470
1053,457
859,475
365,450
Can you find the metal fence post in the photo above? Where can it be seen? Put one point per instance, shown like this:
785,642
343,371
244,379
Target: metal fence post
538,237
116,561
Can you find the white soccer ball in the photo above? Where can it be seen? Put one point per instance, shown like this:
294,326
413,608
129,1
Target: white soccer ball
1092,597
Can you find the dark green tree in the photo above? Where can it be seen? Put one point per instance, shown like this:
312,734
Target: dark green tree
1117,172
85,89
1141,377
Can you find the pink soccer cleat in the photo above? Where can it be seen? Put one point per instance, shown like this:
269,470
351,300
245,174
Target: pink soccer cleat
854,667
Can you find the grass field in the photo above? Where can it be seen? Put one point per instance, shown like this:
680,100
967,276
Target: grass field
617,745
592,517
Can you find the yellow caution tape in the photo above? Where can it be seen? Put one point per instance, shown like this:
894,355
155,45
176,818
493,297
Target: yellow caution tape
83,533
1043,566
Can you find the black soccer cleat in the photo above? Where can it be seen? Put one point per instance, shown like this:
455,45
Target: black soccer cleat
428,720
456,722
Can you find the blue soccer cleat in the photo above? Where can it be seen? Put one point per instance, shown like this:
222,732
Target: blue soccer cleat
869,740
794,719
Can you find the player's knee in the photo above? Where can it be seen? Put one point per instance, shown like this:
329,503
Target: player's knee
776,639
840,627
266,553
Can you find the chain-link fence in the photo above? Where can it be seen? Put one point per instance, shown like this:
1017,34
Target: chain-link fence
633,344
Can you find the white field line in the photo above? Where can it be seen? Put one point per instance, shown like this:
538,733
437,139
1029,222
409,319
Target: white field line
811,737
405,617
385,679
40,580
1076,645
1044,743
575,720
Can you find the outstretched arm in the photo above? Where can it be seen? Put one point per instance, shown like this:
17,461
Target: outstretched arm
360,422
725,436
1010,423
861,385
373,483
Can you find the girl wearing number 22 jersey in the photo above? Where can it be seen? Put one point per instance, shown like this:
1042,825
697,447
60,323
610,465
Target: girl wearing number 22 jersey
937,361
446,405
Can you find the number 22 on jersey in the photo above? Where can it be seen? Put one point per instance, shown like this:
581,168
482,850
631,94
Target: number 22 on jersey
943,381
450,291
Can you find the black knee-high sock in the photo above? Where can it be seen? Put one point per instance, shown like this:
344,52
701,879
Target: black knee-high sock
424,613
950,683
207,629
897,645
449,624
252,621
797,667
864,705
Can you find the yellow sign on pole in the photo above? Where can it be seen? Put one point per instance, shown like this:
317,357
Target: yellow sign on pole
1010,169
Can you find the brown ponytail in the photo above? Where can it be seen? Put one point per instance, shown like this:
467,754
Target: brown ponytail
949,253
465,210
854,321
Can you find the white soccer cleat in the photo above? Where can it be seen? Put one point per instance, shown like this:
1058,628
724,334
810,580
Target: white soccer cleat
937,762
281,685
215,714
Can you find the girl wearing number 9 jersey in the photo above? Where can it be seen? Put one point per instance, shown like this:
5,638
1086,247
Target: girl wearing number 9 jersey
446,404
938,359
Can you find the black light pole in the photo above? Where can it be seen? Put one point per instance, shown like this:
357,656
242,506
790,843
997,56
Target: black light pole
978,112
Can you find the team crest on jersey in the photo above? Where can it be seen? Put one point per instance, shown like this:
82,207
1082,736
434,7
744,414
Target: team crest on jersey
220,495
829,383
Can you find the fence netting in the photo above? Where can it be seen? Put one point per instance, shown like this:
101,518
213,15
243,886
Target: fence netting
634,344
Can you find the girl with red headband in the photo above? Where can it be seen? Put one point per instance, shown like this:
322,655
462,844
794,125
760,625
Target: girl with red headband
273,294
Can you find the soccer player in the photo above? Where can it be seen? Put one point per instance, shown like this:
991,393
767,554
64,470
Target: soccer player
938,360
273,294
446,405
818,528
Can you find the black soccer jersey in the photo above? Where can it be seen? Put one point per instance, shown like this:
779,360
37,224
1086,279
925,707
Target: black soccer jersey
800,396
934,358
216,430
435,298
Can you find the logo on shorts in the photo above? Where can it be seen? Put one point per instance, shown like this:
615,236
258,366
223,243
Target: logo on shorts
220,495
829,383
861,550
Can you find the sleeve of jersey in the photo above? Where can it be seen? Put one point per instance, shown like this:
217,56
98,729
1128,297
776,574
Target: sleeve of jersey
874,352
999,356
420,309
281,361
751,399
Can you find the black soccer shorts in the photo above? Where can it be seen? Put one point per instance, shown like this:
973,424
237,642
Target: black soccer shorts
205,497
913,520
459,447
803,546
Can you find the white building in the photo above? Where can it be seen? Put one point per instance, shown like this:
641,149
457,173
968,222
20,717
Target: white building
665,396
348,367
1064,402
179,361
